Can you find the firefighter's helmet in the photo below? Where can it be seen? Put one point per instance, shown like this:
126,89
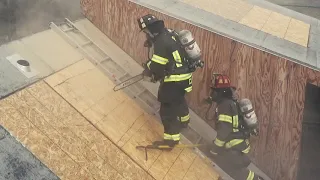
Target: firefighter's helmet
147,20
221,81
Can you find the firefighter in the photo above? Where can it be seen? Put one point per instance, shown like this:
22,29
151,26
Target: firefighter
167,55
231,145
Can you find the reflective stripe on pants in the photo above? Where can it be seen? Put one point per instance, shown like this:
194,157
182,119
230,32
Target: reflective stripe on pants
173,137
185,118
218,142
233,142
250,175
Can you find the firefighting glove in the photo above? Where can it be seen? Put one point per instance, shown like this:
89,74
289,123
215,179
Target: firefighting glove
148,76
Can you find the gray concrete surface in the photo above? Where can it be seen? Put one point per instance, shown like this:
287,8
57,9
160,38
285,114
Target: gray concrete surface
11,78
17,163
308,7
20,18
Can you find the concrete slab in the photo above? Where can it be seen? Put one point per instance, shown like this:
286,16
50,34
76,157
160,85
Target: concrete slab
308,7
284,10
312,57
256,17
162,4
277,25
53,49
314,41
284,48
18,163
298,32
198,16
233,10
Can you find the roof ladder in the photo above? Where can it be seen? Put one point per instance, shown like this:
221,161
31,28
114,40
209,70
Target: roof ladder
99,58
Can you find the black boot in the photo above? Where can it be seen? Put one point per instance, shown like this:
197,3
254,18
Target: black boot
165,144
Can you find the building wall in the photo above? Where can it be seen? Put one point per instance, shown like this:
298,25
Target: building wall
275,85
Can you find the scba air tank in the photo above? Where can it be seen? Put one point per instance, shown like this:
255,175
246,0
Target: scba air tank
248,113
189,44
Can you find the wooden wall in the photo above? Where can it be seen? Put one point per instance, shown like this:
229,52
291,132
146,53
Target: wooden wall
275,85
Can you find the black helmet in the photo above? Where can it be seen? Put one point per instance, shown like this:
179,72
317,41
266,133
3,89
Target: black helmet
147,20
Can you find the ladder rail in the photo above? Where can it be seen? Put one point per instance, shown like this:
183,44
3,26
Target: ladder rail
83,34
73,42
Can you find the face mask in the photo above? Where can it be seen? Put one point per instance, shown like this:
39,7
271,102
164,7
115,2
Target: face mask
148,33
214,95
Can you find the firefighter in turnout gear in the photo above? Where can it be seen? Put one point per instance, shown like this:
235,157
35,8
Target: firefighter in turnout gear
231,145
167,56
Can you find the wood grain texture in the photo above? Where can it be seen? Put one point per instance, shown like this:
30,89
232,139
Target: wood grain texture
275,85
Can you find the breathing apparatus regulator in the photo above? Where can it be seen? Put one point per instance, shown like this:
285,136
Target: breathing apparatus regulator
188,44
247,117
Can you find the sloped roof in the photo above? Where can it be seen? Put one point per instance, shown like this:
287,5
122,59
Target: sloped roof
77,126
81,129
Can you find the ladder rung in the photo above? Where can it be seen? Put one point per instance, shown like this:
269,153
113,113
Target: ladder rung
87,43
68,29
105,59
141,92
124,75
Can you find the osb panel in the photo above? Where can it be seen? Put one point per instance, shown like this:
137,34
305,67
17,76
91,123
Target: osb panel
122,121
164,162
277,147
115,157
200,170
277,25
134,128
259,78
125,123
181,166
77,143
252,71
256,17
145,135
298,32
39,144
295,102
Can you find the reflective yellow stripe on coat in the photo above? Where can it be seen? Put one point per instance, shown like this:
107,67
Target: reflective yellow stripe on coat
176,78
159,59
177,58
225,118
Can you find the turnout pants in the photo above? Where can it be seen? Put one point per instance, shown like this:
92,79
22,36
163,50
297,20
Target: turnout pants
174,116
235,164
